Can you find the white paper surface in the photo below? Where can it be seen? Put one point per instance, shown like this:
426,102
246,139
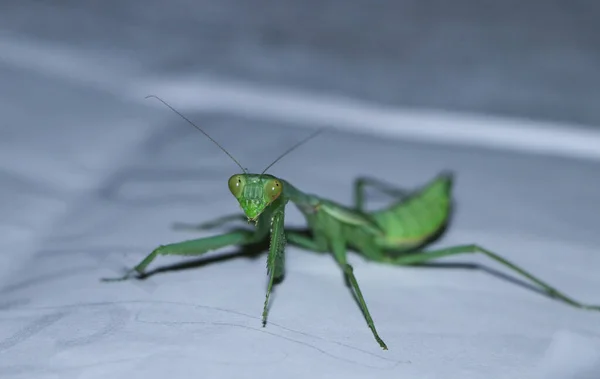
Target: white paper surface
96,188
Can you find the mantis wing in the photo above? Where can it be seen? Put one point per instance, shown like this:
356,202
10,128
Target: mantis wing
349,216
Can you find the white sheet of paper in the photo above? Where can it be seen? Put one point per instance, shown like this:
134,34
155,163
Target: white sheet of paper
92,181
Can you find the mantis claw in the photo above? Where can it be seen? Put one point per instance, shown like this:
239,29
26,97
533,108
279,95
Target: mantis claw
127,276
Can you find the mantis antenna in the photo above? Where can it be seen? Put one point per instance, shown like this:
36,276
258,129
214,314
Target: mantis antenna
197,127
293,148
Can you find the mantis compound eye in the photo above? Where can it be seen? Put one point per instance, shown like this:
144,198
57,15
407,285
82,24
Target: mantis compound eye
236,184
273,189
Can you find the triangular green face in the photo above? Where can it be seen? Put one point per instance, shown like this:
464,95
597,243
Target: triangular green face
252,207
255,192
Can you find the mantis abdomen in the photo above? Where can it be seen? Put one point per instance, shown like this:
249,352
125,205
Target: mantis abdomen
413,221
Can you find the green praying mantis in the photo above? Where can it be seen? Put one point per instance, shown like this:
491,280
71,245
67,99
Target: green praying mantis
397,234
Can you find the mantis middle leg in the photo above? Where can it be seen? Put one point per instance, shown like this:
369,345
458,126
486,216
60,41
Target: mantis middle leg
338,246
193,247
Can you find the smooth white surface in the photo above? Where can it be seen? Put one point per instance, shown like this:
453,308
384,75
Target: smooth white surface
96,188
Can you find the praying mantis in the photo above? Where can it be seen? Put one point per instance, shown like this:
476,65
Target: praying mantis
398,234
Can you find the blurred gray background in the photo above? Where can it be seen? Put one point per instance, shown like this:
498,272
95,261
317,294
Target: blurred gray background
534,59
92,175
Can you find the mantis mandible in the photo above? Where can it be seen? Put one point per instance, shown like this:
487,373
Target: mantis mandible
396,234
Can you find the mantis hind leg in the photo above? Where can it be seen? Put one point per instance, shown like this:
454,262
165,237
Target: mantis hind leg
193,247
359,190
422,257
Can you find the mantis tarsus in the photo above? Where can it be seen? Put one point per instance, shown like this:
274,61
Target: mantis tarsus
396,234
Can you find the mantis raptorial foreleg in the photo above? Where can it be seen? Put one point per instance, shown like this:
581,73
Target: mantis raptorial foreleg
193,247
276,258
422,257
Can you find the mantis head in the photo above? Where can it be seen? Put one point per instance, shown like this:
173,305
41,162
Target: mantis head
255,192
